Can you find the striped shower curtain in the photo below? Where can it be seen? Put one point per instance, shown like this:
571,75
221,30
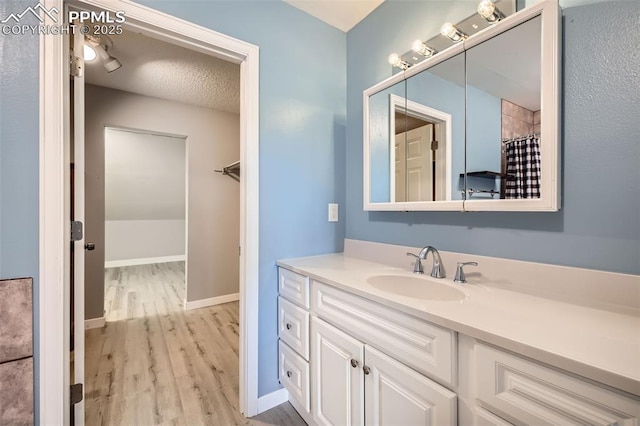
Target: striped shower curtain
523,167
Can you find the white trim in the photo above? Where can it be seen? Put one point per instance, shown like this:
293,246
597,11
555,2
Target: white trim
53,354
273,399
211,301
144,261
423,112
94,323
54,228
551,64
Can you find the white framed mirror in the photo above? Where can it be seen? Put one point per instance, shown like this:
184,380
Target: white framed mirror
475,127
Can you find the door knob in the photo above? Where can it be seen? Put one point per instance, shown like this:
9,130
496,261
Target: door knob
90,246
289,373
354,363
366,370
288,326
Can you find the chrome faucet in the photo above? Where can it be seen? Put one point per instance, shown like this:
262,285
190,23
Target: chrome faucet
437,271
460,275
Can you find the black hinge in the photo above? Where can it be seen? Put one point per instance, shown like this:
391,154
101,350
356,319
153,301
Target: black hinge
76,230
76,393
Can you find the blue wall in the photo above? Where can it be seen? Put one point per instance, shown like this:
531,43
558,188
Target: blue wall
19,151
599,224
19,154
302,137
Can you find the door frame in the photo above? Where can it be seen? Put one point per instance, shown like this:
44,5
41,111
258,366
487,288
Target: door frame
53,294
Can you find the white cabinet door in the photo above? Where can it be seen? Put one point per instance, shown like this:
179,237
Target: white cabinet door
398,395
336,375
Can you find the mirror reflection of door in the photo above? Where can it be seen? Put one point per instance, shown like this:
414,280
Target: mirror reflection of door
420,162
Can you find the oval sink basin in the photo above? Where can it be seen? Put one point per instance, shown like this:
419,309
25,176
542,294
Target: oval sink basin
419,288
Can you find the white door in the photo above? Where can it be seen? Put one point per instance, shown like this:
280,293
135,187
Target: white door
398,395
400,168
78,216
419,164
337,377
413,165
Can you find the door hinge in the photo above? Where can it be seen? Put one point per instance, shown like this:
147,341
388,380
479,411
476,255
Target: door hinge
434,145
240,251
76,393
76,230
76,65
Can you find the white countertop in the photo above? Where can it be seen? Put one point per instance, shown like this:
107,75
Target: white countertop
601,345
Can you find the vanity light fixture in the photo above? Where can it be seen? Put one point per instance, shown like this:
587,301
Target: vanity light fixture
449,30
396,61
488,10
421,48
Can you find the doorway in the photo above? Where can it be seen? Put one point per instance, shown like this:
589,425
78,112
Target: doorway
54,230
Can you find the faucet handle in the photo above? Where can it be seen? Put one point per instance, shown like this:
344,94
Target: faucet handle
417,268
460,276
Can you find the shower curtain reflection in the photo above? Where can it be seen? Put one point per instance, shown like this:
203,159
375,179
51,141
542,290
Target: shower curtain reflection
522,167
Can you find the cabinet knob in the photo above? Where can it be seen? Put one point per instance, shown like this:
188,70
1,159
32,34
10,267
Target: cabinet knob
366,370
288,326
354,363
289,373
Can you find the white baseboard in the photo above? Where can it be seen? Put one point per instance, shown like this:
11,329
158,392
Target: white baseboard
143,261
94,323
203,303
272,399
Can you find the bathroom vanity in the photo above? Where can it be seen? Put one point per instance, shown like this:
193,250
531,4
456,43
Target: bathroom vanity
355,348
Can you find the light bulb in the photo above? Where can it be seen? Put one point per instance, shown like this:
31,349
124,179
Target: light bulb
89,52
487,9
421,48
417,46
394,59
449,30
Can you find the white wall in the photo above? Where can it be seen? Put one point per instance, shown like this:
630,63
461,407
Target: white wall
145,197
213,200
143,241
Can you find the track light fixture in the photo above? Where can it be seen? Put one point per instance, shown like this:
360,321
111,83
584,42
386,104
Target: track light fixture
98,47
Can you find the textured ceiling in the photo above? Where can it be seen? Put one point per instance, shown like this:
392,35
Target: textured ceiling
162,70
342,14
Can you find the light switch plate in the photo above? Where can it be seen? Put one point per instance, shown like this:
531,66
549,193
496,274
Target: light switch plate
333,212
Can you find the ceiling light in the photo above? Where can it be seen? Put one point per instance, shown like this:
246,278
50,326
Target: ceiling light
89,52
396,61
421,48
100,47
489,11
449,30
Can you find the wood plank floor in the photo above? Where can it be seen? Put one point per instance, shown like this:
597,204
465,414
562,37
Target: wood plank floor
155,364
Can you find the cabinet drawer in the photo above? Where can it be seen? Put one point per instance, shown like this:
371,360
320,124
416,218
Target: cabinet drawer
294,287
425,347
293,326
525,392
486,418
293,372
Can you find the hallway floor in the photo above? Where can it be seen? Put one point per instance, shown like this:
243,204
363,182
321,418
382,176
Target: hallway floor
155,364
